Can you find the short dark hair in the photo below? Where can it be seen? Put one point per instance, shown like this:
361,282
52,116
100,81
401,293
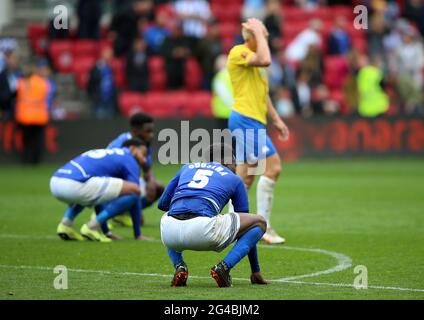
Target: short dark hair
220,152
133,142
138,120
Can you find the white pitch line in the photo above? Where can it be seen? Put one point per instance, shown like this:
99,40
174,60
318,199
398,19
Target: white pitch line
343,262
157,275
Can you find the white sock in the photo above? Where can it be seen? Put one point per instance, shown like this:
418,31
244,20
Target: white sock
230,206
93,224
264,197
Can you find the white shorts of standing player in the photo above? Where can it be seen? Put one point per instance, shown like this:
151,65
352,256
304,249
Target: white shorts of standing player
200,233
90,193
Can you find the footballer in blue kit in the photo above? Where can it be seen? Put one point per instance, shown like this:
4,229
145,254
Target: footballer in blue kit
141,127
193,202
106,179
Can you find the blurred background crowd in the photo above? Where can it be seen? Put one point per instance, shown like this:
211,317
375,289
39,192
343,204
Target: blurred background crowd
169,57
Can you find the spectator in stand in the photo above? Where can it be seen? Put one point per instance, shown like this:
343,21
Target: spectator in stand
6,45
308,4
414,11
32,114
273,22
283,102
45,72
125,25
372,99
410,64
176,50
222,93
254,9
195,16
280,72
207,50
59,33
350,88
302,94
137,71
154,35
101,87
8,85
375,37
339,41
313,64
321,102
89,15
298,48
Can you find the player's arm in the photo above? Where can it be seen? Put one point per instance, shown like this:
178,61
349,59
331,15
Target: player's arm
277,121
262,56
240,198
166,198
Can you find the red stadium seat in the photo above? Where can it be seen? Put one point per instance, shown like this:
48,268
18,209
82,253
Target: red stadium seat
81,69
118,67
198,104
84,48
193,75
227,12
60,52
157,73
37,35
131,102
229,29
166,105
335,71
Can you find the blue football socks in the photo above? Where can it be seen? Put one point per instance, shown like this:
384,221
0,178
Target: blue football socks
243,246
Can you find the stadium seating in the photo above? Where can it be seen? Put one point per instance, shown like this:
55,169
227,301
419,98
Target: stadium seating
157,73
193,75
131,102
60,52
37,35
81,69
335,71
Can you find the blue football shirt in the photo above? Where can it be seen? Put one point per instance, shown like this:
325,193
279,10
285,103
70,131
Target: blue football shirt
116,163
119,140
204,189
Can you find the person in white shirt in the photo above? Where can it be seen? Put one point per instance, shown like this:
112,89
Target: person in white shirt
195,14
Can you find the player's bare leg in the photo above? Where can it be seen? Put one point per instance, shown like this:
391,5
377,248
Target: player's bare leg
265,196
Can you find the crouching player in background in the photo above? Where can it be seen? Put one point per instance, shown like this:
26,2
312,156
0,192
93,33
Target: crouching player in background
141,127
106,179
193,200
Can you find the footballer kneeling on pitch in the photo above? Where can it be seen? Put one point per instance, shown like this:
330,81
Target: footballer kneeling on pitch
194,200
106,179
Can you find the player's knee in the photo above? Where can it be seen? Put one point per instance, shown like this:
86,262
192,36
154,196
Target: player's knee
274,171
261,223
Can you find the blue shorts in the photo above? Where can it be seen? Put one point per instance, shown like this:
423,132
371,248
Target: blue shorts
252,142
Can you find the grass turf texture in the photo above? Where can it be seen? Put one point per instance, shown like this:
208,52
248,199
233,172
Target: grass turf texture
369,210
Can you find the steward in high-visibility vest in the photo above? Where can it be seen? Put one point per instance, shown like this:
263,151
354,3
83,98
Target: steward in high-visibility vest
222,99
31,101
373,101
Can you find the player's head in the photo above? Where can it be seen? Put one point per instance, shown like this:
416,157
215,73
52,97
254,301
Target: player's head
222,153
141,125
249,37
137,148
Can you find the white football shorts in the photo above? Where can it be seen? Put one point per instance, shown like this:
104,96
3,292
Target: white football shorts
94,191
200,233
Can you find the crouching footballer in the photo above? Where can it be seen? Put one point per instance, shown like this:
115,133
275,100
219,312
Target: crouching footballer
193,201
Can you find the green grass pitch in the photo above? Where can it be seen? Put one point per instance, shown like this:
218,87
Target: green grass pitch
335,215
